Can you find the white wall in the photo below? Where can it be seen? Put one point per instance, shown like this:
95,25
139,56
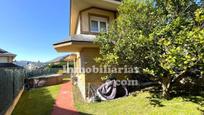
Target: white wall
3,59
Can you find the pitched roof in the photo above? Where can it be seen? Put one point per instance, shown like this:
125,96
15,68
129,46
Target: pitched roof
2,51
78,38
6,53
59,59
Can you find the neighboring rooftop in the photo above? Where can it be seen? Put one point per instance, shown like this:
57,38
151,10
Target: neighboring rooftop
6,53
59,59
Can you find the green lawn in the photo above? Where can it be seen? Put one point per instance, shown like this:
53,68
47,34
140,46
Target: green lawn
142,104
37,101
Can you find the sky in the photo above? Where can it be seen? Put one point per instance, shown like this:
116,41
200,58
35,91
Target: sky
29,28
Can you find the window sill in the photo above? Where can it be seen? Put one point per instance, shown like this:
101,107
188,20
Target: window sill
92,33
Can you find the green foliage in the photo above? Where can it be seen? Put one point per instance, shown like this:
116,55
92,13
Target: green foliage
58,65
163,38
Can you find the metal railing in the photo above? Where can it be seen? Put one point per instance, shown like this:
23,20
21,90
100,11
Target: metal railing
40,72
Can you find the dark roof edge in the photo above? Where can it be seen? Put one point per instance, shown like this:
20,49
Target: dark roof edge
10,55
6,53
72,41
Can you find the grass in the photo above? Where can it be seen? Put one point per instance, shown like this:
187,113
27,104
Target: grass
37,101
141,104
60,72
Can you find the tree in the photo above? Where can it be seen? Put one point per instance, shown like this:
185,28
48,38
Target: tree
163,38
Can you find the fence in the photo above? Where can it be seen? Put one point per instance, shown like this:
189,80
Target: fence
40,72
11,82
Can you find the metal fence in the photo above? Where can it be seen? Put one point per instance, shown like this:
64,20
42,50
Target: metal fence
11,82
40,72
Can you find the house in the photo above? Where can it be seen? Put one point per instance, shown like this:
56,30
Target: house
6,59
87,19
60,59
62,62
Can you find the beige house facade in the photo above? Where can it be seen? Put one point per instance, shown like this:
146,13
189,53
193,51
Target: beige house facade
87,19
6,57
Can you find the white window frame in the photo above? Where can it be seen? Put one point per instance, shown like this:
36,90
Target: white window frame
98,20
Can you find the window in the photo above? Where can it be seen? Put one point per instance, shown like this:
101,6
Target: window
98,24
94,26
102,26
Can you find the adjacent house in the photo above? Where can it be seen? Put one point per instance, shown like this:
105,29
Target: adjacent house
88,18
6,59
62,61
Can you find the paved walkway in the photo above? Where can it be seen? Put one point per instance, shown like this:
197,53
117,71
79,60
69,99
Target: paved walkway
64,104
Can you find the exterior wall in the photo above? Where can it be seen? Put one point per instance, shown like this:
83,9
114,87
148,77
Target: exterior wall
78,27
6,59
80,76
88,56
10,59
3,59
80,24
75,13
85,15
81,84
78,61
78,5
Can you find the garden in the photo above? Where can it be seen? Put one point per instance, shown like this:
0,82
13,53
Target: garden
164,40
